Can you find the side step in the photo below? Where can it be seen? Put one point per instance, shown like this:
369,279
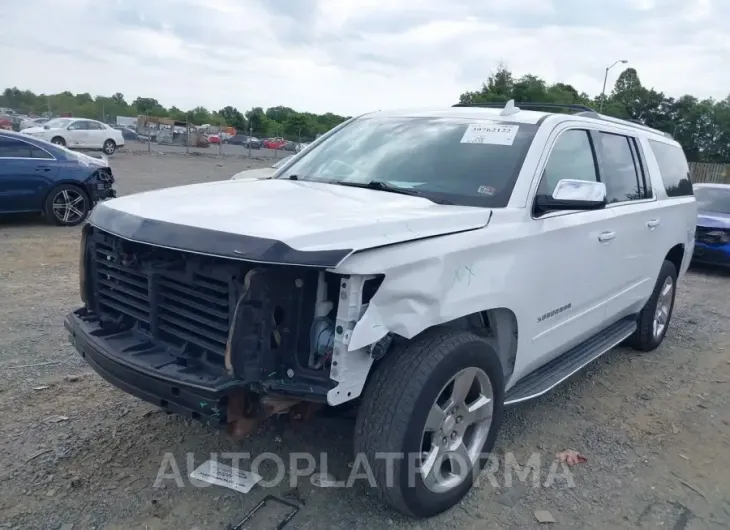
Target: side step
561,368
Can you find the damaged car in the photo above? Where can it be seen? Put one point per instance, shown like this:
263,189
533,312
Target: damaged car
38,176
427,268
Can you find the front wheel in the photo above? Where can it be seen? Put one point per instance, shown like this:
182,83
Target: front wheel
654,318
67,205
435,406
58,140
109,147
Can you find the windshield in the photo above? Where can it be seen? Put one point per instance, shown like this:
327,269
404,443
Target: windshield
716,200
58,123
462,161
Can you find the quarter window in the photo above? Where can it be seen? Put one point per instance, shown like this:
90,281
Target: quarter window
37,152
674,168
619,170
572,157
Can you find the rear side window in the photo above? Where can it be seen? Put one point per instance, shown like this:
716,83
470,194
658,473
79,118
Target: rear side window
674,168
621,175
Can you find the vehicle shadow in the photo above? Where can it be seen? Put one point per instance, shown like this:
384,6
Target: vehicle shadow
714,271
22,220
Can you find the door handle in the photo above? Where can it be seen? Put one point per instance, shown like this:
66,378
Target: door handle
43,168
652,223
606,236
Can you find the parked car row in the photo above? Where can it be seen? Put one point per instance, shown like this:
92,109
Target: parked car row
245,140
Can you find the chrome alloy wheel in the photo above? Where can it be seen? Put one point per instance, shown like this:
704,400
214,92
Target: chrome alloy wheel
69,206
663,306
456,430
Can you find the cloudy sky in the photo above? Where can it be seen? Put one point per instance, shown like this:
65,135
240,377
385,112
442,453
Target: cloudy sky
351,56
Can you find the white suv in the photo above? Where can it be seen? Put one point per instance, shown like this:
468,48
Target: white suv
430,267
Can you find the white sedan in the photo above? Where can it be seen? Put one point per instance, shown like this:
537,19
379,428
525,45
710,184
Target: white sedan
79,133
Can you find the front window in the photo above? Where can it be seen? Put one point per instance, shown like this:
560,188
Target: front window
715,200
472,162
58,123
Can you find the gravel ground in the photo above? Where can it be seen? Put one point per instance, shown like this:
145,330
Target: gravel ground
654,427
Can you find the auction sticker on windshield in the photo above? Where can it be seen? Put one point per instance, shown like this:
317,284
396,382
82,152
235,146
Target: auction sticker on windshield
495,134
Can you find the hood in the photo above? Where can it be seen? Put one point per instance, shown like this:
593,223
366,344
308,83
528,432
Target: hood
280,221
713,220
252,174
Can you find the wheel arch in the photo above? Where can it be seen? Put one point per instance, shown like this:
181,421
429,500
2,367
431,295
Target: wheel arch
498,325
676,256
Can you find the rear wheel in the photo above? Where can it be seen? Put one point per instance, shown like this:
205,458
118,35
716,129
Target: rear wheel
109,147
655,316
67,205
436,406
58,140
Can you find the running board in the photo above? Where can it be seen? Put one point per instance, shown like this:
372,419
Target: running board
561,368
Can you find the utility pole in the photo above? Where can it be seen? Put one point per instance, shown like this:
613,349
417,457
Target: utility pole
605,78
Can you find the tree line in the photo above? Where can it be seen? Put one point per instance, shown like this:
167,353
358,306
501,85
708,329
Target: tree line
274,121
702,126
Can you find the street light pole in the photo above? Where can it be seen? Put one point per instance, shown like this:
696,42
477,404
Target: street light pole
605,78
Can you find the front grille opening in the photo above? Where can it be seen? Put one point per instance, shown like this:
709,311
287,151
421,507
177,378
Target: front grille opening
184,304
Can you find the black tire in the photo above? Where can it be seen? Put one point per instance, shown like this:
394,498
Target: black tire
58,140
397,401
644,338
56,215
109,147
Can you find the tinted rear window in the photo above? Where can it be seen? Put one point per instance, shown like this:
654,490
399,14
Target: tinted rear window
673,167
454,159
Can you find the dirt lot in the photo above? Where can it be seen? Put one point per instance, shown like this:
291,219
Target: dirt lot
75,451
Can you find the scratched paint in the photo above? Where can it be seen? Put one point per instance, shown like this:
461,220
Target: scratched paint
464,274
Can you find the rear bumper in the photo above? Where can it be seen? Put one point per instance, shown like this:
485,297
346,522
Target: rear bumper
206,403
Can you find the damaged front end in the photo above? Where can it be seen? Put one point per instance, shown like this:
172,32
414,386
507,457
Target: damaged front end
223,341
100,185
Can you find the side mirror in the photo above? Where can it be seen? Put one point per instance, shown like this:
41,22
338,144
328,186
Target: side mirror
572,194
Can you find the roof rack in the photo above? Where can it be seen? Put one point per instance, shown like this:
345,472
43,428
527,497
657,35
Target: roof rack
528,105
631,123
510,107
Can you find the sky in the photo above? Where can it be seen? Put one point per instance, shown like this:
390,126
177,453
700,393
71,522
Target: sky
354,56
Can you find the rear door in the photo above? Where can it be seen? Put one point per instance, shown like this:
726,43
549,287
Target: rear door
637,226
98,134
26,174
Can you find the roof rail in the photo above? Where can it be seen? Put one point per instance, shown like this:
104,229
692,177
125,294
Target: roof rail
631,123
528,105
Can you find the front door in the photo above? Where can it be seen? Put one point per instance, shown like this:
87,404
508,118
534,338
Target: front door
79,134
570,251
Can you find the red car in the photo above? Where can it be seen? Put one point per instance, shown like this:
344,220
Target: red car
274,143
214,139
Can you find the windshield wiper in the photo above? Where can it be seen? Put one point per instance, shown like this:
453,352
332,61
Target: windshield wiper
384,186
